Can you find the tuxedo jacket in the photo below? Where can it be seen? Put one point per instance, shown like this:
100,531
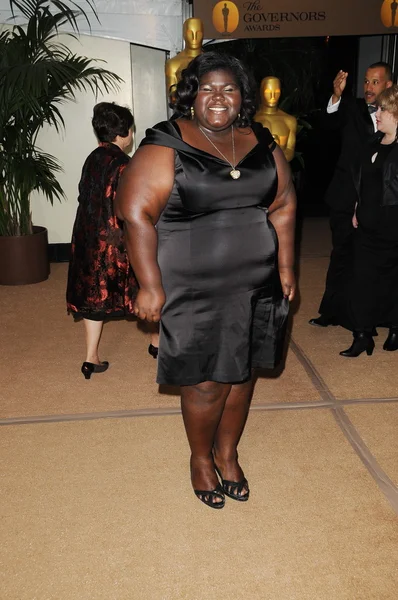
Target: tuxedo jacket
356,128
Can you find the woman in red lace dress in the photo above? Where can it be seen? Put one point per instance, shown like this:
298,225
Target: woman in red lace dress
101,282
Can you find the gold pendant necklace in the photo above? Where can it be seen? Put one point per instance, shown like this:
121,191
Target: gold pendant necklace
235,173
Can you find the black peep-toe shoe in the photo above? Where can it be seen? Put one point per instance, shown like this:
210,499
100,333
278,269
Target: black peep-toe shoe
209,497
235,489
89,368
153,350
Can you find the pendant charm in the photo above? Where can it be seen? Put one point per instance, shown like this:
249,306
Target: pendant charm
235,174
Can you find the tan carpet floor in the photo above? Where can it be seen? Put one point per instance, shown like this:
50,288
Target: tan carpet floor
96,502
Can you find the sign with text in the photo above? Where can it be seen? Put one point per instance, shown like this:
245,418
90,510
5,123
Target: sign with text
296,18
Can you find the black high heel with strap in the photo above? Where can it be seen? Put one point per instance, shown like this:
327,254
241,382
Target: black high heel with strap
89,368
234,489
209,497
153,350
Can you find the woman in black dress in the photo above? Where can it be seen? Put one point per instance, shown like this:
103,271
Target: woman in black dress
205,200
101,283
373,292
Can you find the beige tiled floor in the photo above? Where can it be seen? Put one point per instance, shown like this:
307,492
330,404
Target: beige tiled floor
377,425
103,508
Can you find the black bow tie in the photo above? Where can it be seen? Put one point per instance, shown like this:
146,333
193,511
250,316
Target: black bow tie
372,108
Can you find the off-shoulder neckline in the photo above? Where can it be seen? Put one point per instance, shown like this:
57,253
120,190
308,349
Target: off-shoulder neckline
177,130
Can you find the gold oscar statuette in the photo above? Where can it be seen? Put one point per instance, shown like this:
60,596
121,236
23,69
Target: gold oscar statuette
282,126
193,37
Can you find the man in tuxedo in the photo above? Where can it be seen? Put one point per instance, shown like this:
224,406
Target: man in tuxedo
356,119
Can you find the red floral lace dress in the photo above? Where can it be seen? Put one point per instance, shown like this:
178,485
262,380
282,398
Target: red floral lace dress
101,282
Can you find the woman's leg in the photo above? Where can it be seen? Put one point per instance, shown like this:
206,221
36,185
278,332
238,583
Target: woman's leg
153,330
230,429
154,333
362,294
202,408
93,330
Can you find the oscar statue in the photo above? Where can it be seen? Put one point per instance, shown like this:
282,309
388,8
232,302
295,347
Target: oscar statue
193,37
282,126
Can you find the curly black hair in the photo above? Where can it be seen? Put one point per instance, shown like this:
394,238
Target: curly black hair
110,120
187,87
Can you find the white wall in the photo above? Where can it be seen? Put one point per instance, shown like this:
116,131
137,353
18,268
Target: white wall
156,24
78,140
142,70
149,95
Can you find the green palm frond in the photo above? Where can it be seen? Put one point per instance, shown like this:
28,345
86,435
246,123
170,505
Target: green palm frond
38,73
31,8
23,173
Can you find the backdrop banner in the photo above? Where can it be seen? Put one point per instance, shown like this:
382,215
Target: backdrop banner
296,18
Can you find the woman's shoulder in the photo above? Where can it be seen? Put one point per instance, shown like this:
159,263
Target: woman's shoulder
166,126
106,156
165,133
112,154
107,149
157,131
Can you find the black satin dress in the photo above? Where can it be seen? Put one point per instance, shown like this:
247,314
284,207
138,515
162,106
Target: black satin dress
224,313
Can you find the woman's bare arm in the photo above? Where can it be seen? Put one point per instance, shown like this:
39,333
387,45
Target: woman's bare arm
282,214
142,194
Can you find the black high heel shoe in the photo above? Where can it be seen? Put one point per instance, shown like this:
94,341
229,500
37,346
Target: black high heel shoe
209,497
363,342
213,498
89,368
153,350
391,343
235,489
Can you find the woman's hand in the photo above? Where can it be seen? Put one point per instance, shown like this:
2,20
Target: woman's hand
149,304
355,220
288,282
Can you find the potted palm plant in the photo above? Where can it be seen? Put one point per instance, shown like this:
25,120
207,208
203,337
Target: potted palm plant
38,74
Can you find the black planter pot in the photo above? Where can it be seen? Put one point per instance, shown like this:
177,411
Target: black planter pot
24,258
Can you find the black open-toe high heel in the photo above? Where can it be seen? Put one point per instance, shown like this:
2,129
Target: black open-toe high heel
209,497
153,350
89,368
235,489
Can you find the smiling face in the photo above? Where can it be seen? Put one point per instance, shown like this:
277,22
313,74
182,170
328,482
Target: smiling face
218,101
375,82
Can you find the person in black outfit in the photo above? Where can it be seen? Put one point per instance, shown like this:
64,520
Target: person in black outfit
209,215
355,117
372,297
